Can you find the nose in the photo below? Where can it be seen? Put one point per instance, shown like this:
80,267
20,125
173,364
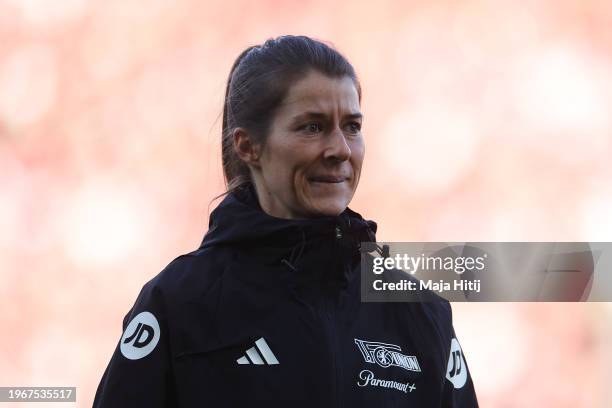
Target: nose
337,148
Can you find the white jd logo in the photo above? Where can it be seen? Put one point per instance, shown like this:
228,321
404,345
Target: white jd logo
139,331
140,336
386,355
456,371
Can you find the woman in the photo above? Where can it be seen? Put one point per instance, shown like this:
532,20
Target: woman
267,311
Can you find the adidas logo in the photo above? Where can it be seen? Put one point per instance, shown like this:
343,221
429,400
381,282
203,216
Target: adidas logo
255,358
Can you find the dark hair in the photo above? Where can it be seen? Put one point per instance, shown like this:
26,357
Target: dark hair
258,83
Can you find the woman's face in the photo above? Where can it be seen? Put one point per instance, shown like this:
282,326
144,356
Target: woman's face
311,162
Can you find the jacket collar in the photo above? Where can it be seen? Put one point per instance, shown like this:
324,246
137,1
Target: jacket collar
239,219
240,222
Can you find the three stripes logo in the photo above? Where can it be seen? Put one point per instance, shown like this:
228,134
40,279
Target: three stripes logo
254,354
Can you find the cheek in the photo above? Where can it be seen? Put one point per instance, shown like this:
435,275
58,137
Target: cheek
358,153
289,171
299,178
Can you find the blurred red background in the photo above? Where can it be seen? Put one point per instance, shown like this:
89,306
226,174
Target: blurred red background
484,121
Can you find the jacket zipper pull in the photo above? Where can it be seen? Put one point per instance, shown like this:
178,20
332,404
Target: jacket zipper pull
338,232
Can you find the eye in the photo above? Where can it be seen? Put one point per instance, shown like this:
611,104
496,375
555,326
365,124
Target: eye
355,127
312,127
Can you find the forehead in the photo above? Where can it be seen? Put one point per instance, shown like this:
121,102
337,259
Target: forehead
320,93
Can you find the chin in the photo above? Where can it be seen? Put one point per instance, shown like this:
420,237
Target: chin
331,209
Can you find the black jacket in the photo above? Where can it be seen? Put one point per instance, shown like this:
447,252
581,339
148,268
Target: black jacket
267,312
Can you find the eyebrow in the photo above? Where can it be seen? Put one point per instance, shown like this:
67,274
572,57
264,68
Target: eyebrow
319,115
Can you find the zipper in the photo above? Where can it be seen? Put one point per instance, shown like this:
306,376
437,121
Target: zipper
331,328
330,313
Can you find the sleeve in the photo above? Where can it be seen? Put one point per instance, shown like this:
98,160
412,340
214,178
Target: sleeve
458,390
139,373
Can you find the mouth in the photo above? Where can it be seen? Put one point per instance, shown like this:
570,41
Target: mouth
328,179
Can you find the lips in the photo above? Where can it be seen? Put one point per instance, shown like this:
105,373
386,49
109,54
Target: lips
328,179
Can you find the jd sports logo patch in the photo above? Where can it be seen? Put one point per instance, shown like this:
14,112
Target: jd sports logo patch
456,371
140,336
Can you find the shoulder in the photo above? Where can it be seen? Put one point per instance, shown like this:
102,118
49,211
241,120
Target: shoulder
440,315
434,305
423,309
190,275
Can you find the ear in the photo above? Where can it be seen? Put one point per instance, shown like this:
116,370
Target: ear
245,148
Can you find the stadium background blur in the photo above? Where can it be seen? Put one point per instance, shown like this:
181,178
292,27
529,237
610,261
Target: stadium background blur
484,120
